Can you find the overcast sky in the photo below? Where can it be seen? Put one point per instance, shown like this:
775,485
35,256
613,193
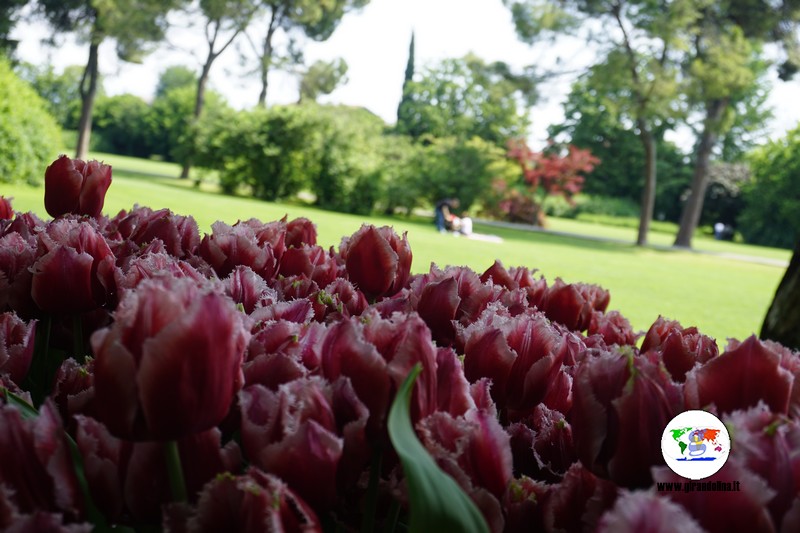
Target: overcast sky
374,42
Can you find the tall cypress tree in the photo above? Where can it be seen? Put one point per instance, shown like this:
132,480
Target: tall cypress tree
405,100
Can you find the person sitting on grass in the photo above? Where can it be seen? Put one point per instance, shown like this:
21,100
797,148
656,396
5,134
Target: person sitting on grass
444,214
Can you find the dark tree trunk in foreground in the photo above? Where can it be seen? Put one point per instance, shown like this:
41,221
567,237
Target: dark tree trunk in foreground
782,322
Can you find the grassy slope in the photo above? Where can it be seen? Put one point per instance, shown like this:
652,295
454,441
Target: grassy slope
723,297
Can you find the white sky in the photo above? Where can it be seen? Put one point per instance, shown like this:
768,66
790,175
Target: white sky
374,42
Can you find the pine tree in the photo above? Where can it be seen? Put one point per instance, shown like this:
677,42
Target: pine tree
402,109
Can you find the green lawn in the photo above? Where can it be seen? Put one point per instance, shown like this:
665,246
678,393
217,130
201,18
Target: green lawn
724,297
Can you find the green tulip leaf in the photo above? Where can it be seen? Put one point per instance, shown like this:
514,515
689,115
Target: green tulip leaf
437,502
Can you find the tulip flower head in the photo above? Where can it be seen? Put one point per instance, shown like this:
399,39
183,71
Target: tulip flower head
171,364
75,186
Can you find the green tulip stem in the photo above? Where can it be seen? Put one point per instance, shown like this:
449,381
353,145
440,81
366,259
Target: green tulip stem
38,378
177,484
394,516
77,339
368,521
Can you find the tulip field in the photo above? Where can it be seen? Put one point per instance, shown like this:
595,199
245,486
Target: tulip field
162,371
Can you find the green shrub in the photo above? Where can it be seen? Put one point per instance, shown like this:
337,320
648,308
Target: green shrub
266,151
123,121
30,139
771,215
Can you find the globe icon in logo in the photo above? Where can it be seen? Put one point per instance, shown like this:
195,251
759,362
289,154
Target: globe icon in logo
695,444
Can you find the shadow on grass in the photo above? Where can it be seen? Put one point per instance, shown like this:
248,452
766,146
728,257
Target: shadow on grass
585,243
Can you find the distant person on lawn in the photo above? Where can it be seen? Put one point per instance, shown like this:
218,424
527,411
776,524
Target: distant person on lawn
444,216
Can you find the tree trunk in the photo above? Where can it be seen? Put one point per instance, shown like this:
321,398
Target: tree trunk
690,216
90,75
782,323
649,190
266,56
199,102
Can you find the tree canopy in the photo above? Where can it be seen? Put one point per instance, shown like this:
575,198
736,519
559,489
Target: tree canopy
467,98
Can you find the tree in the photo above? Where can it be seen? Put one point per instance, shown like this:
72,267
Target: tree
130,23
316,20
721,68
170,127
782,323
459,168
592,121
321,78
467,98
636,74
223,21
175,77
403,108
61,91
9,11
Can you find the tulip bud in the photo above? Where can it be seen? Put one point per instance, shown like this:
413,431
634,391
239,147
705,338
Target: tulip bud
378,260
16,346
168,332
6,212
77,187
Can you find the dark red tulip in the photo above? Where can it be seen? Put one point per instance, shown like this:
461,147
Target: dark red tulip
454,291
622,403
12,520
679,348
635,512
578,501
104,461
73,392
16,346
16,257
36,463
378,261
75,270
524,505
613,327
249,289
156,265
230,246
346,300
281,351
269,233
168,332
6,211
740,378
453,391
474,449
300,231
28,225
179,235
251,502
377,354
76,187
542,445
768,445
522,355
311,261
572,304
292,433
